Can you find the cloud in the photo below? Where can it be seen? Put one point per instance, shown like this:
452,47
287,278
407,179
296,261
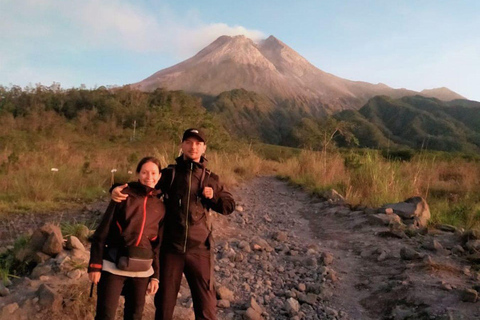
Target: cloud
129,26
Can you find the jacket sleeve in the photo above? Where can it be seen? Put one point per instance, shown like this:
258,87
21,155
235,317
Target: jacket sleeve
100,236
156,251
222,201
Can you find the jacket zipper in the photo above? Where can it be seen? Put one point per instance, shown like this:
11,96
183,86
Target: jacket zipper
143,222
188,207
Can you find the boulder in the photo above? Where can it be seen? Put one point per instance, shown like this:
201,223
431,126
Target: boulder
415,208
47,239
223,304
74,243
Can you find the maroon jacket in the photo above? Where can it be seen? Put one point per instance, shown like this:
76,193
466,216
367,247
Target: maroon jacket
137,221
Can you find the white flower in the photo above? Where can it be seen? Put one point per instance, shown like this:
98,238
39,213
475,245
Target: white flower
54,169
113,170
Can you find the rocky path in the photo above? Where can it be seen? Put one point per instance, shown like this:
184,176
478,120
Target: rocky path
302,258
285,255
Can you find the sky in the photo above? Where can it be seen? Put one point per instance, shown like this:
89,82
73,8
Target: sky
413,44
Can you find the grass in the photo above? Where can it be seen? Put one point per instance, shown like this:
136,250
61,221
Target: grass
450,186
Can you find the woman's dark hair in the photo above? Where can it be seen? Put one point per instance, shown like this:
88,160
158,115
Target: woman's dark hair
148,159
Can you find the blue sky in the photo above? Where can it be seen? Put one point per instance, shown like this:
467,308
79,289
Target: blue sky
410,44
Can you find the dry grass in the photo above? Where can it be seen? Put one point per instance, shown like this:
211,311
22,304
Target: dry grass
450,187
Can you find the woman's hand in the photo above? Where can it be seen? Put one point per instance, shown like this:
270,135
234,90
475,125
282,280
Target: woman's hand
152,286
94,276
117,194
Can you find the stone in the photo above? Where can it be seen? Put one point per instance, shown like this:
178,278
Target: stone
473,245
432,245
3,290
239,208
223,293
251,314
469,295
327,258
331,312
183,313
383,219
40,257
382,256
302,287
47,239
407,253
292,305
74,243
40,270
259,244
458,249
223,304
9,309
47,298
74,274
255,306
280,236
54,243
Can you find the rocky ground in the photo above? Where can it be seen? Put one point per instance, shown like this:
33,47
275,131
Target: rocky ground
285,255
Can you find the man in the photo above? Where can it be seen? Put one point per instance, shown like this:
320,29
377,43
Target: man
190,190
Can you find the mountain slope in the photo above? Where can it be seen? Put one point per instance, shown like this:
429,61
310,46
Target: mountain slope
417,122
270,68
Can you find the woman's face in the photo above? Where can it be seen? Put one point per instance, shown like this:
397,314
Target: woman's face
149,174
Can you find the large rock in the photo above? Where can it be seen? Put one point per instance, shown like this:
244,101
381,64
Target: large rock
47,298
415,208
47,239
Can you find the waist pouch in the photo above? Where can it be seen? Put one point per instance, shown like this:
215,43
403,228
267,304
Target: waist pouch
134,259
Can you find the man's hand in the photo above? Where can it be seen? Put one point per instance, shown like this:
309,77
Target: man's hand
208,192
117,194
94,276
152,286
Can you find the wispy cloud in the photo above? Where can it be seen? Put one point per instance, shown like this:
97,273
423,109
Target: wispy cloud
33,31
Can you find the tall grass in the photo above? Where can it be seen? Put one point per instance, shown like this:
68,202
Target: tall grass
366,178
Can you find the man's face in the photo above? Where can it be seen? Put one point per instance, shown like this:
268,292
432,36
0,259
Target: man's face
193,148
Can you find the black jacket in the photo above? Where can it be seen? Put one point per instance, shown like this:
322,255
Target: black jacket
137,221
186,219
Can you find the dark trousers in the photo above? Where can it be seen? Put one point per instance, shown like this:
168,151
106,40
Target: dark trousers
109,290
196,267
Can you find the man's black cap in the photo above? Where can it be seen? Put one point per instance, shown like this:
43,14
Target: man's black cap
192,132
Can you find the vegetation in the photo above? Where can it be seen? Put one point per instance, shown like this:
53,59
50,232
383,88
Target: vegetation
61,148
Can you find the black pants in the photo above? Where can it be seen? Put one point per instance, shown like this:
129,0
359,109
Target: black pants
109,290
196,267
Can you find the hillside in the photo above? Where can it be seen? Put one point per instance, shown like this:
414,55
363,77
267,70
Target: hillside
417,122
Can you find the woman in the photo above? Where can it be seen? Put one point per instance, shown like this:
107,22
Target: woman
126,245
